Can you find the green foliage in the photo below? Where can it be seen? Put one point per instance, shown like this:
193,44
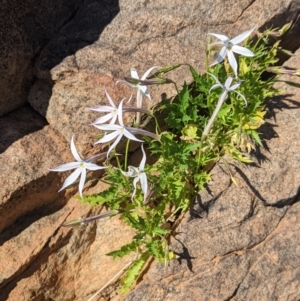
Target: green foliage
124,250
133,272
185,156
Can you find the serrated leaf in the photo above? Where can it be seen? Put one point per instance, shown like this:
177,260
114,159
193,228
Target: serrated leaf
138,223
133,272
256,137
244,159
243,67
256,121
155,248
160,231
124,250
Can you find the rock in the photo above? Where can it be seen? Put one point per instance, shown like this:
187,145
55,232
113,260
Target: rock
35,250
243,245
26,27
97,45
34,147
153,34
277,162
61,263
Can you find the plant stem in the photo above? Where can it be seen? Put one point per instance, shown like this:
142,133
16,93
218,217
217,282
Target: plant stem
199,157
118,162
111,280
126,154
158,130
214,115
176,88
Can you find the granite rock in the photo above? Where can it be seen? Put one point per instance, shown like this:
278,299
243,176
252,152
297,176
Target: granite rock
143,34
239,240
26,27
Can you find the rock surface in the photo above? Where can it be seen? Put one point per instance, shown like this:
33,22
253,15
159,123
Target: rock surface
42,261
153,33
26,27
56,263
242,242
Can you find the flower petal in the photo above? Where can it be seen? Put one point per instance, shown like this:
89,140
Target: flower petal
218,84
215,78
125,82
220,37
110,100
144,183
143,161
242,50
108,137
93,158
143,132
221,56
82,181
232,62
215,86
74,151
243,97
242,36
134,185
103,109
71,178
126,174
130,136
114,118
120,114
129,99
114,144
108,127
236,85
144,90
91,166
132,172
148,72
134,74
67,166
103,119
228,83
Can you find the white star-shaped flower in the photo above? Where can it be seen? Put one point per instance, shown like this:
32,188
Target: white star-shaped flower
81,167
118,131
230,47
141,89
226,88
139,175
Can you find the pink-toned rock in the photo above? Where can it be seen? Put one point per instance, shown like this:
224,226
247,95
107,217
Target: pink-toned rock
31,147
37,255
154,33
42,261
61,263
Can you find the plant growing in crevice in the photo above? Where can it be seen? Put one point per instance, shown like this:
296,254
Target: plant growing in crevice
205,120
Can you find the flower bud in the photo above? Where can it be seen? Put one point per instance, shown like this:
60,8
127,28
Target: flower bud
279,70
148,82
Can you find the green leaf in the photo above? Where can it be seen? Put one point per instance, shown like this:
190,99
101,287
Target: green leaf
126,249
256,137
201,179
160,231
137,223
156,249
133,272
